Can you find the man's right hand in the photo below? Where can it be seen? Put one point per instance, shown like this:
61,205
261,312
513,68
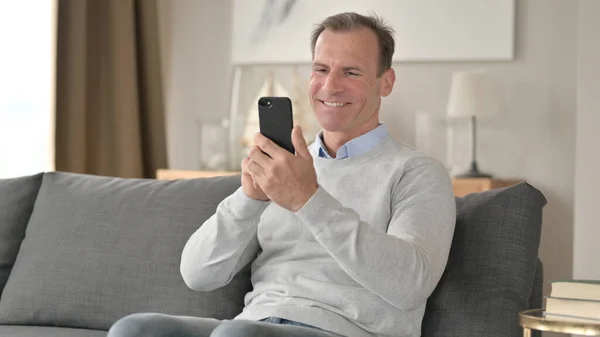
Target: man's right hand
249,186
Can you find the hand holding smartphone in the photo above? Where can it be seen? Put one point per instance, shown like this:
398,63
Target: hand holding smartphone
276,120
288,181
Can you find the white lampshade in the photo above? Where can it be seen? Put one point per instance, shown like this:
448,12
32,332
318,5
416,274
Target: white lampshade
472,94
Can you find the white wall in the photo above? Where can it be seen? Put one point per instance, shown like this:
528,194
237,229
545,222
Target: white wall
195,37
587,153
533,141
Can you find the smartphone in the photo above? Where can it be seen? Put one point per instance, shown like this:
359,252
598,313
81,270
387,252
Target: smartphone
276,120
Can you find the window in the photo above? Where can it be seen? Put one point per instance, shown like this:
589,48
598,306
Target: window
27,63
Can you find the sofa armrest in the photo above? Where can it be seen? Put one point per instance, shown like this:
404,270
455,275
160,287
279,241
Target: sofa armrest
536,296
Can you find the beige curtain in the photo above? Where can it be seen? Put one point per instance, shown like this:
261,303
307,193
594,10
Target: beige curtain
109,104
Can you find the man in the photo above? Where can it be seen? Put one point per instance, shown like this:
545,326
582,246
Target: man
348,237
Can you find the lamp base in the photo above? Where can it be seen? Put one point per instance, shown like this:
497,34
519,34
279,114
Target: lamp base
474,172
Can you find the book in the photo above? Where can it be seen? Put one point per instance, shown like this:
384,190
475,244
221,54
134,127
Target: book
573,309
567,318
576,289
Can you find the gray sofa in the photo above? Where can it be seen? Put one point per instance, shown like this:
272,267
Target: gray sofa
78,252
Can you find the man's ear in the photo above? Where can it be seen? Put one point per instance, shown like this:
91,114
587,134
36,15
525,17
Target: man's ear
387,82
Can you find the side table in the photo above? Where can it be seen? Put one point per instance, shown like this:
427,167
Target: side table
170,174
534,319
464,186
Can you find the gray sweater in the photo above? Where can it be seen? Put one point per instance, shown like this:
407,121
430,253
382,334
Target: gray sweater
359,259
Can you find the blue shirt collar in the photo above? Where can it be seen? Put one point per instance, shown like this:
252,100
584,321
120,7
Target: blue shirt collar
355,147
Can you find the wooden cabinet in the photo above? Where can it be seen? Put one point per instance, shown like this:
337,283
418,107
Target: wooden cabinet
464,186
168,174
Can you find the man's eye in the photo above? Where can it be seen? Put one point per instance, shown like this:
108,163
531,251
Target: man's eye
320,70
351,73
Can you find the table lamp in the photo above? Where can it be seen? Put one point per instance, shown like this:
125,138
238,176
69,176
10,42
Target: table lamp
472,96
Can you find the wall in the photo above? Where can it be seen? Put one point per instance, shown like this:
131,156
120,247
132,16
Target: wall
533,141
195,38
587,154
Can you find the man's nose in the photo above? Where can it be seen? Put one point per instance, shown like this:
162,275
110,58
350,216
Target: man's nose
333,84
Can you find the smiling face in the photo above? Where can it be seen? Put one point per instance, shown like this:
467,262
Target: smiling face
344,88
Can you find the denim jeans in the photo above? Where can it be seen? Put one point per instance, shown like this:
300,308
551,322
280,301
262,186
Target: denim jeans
161,325
278,320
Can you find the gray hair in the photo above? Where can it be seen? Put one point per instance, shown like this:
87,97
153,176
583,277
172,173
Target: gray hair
349,21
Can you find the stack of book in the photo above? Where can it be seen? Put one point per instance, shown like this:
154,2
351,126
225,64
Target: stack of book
574,300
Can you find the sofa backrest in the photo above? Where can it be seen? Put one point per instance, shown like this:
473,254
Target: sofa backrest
492,265
99,248
17,196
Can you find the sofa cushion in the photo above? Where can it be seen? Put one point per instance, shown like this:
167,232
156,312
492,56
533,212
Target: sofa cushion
491,266
46,331
98,248
17,196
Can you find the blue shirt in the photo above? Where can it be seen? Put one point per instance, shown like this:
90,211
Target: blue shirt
355,147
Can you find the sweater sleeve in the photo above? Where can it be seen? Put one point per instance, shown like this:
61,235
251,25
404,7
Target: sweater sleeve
224,244
404,265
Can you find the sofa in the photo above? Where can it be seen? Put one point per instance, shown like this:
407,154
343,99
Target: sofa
78,252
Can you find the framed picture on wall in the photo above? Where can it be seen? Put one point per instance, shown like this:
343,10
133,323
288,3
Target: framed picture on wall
278,31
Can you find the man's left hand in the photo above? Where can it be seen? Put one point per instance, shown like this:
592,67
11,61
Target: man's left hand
288,180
